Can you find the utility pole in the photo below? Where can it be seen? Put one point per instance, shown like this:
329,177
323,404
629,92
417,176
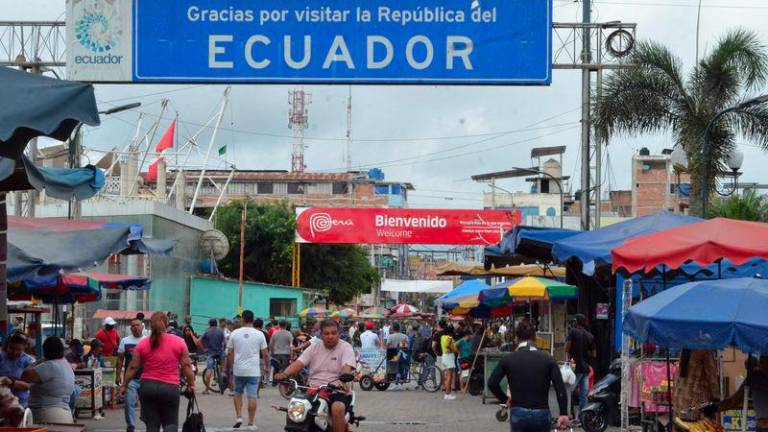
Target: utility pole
586,58
348,150
243,216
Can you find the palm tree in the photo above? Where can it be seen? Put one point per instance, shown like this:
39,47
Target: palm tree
655,95
749,207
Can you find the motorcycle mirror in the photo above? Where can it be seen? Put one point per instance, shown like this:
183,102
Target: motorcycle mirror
348,377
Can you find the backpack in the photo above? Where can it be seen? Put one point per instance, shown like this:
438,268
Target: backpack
194,421
437,346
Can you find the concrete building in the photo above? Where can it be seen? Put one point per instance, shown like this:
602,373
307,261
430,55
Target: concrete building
656,186
301,189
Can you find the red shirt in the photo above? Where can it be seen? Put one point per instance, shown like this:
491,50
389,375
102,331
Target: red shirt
272,330
110,339
162,363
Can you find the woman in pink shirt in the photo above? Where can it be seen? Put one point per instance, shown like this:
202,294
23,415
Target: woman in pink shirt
159,357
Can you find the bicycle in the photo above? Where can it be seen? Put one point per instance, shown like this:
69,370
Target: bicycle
218,383
425,373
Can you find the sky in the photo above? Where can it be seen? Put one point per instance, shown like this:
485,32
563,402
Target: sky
434,137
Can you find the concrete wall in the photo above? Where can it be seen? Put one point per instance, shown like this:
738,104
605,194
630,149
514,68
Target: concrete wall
218,298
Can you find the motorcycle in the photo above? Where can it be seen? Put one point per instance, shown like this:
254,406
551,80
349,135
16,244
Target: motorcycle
602,408
309,409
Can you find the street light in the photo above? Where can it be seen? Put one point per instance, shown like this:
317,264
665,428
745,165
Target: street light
705,147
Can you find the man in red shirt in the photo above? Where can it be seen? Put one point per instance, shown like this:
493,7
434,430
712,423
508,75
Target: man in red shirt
274,326
109,337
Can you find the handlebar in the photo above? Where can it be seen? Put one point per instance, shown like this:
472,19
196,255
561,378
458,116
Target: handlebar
296,385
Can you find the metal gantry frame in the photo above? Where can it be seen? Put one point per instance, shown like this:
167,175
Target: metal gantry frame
586,46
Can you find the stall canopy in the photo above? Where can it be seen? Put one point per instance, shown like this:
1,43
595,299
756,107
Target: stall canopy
417,286
76,287
710,314
704,243
527,289
525,243
46,247
456,269
593,248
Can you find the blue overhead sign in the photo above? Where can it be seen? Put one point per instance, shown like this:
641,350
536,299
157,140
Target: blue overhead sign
318,41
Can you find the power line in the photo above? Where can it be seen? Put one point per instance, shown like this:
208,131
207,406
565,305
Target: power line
375,140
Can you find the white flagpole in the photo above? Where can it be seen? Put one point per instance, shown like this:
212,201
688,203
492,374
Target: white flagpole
164,105
210,147
223,191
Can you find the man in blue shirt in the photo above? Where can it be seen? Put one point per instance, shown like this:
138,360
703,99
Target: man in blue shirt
13,361
212,342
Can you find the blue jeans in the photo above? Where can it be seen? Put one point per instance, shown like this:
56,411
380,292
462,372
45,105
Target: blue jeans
247,385
529,420
131,398
582,382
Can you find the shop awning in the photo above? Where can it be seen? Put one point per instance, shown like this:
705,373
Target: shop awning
466,295
74,288
456,269
417,286
42,247
119,314
594,248
703,243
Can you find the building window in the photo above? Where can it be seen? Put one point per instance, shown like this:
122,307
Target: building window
280,307
396,189
545,186
340,188
265,188
296,189
281,189
320,188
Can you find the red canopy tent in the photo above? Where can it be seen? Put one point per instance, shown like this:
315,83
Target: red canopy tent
704,243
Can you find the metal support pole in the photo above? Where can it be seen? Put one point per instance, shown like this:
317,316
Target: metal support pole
243,216
585,116
598,160
223,191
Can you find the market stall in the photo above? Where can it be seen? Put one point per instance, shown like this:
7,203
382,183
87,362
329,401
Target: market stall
30,323
685,317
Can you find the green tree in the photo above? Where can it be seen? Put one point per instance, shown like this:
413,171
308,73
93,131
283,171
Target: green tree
655,95
340,271
749,207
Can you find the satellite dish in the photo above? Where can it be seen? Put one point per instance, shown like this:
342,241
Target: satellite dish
214,244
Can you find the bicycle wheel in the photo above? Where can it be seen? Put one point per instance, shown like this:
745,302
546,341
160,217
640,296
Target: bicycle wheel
431,379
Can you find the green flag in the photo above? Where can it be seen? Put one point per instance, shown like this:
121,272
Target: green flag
223,150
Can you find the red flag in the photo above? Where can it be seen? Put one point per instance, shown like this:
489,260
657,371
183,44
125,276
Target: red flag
152,172
166,141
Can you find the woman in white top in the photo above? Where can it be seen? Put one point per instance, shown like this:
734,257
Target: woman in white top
53,383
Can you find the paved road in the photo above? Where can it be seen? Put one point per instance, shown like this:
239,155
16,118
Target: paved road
390,411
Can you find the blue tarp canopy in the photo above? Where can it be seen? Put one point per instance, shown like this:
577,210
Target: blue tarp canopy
529,241
593,248
61,183
40,247
35,105
709,314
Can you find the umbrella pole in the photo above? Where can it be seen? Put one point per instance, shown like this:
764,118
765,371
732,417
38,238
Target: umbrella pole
3,268
669,393
474,360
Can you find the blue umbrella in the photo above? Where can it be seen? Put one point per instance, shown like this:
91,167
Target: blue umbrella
467,295
709,314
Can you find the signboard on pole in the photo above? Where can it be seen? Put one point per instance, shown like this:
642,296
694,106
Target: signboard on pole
319,41
403,226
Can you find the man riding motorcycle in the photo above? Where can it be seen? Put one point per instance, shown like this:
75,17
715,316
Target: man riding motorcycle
327,361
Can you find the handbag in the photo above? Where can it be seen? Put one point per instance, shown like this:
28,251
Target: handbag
194,421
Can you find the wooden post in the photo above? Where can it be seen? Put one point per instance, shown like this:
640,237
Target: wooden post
242,258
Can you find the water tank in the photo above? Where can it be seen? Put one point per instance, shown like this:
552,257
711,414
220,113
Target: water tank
645,152
376,174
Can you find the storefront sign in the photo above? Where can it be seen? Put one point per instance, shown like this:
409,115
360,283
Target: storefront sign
403,226
302,41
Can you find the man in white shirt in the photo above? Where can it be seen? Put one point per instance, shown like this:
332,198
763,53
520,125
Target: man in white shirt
385,332
247,346
369,339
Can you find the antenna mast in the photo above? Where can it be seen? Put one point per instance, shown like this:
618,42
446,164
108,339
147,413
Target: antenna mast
348,152
298,121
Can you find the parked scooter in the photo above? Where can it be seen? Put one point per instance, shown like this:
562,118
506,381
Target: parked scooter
309,409
603,409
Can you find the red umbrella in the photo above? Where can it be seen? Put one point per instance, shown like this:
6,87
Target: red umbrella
403,311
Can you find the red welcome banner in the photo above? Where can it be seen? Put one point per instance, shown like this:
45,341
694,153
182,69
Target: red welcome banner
403,226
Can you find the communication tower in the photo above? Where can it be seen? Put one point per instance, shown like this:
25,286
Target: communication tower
298,121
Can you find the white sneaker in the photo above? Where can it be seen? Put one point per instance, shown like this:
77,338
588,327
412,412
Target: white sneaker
251,428
450,397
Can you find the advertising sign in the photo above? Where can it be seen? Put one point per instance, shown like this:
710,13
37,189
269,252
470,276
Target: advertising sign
403,226
371,362
303,41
